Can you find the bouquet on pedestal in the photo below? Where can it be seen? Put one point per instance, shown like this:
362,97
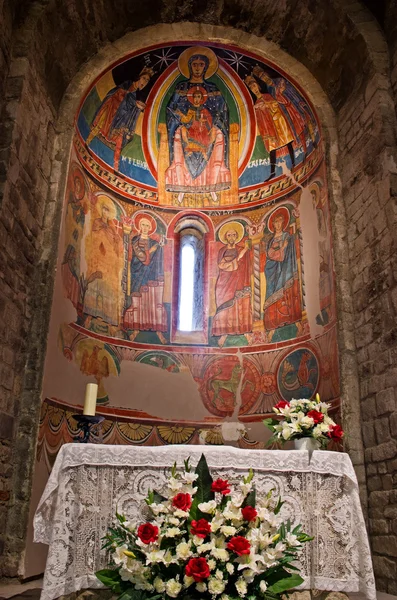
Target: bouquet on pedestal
303,419
204,541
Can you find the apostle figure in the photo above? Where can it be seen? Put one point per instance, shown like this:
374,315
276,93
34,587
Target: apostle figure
287,97
198,130
146,310
274,128
283,304
233,287
104,265
116,118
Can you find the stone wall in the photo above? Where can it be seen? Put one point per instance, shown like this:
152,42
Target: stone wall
26,230
367,159
358,85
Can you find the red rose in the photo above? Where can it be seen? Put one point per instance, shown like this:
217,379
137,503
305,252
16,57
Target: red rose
221,485
281,404
317,416
239,545
148,533
201,528
249,513
335,433
182,501
198,569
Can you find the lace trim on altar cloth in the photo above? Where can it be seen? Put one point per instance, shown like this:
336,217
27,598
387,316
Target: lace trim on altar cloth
90,481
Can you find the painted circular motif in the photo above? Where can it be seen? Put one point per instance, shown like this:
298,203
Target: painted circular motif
251,387
162,360
219,385
298,374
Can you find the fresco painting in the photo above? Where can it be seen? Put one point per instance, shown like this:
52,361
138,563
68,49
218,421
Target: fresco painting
219,136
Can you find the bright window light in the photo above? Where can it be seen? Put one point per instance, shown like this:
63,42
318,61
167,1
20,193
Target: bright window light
186,298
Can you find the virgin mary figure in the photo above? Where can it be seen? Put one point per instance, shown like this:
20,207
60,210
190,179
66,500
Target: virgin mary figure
198,129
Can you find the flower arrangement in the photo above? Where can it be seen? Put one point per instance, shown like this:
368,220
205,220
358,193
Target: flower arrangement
303,418
204,541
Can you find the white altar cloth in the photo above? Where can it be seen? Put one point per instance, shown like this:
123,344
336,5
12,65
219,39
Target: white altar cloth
89,481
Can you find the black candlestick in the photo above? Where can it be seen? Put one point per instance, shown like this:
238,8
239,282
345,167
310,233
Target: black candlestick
86,423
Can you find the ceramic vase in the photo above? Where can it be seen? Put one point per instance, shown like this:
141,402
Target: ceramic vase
307,443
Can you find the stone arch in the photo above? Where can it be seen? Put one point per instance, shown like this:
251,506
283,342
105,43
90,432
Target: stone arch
62,114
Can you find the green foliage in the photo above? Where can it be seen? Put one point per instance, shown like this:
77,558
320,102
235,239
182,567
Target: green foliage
204,493
250,499
290,581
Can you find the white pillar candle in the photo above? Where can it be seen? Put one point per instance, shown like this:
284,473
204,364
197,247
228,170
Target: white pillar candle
91,392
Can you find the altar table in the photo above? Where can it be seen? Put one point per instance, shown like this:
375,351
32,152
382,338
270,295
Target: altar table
89,481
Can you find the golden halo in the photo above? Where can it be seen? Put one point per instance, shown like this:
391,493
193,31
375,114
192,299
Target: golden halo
147,217
231,226
283,212
183,60
103,200
314,187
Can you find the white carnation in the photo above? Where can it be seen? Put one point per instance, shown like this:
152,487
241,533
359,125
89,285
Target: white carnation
187,581
173,587
183,550
241,587
158,508
198,541
159,585
263,586
230,568
215,586
218,574
172,532
228,530
201,587
220,554
211,564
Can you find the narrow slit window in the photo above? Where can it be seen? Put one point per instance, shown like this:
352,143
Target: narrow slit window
186,298
191,285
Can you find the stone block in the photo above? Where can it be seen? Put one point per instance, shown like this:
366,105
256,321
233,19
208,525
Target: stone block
368,430
378,526
391,512
379,499
387,482
384,451
385,544
374,483
368,409
6,426
382,430
384,567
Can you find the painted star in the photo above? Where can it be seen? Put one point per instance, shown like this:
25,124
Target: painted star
236,60
165,59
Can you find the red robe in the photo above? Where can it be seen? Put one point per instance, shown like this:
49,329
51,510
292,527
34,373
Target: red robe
233,294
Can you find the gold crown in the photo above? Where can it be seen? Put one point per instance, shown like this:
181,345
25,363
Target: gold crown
147,71
250,79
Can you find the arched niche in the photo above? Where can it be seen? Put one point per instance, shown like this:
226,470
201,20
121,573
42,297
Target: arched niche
142,361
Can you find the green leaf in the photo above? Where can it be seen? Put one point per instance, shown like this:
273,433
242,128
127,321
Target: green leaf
250,499
204,493
109,577
287,583
249,477
270,423
278,507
